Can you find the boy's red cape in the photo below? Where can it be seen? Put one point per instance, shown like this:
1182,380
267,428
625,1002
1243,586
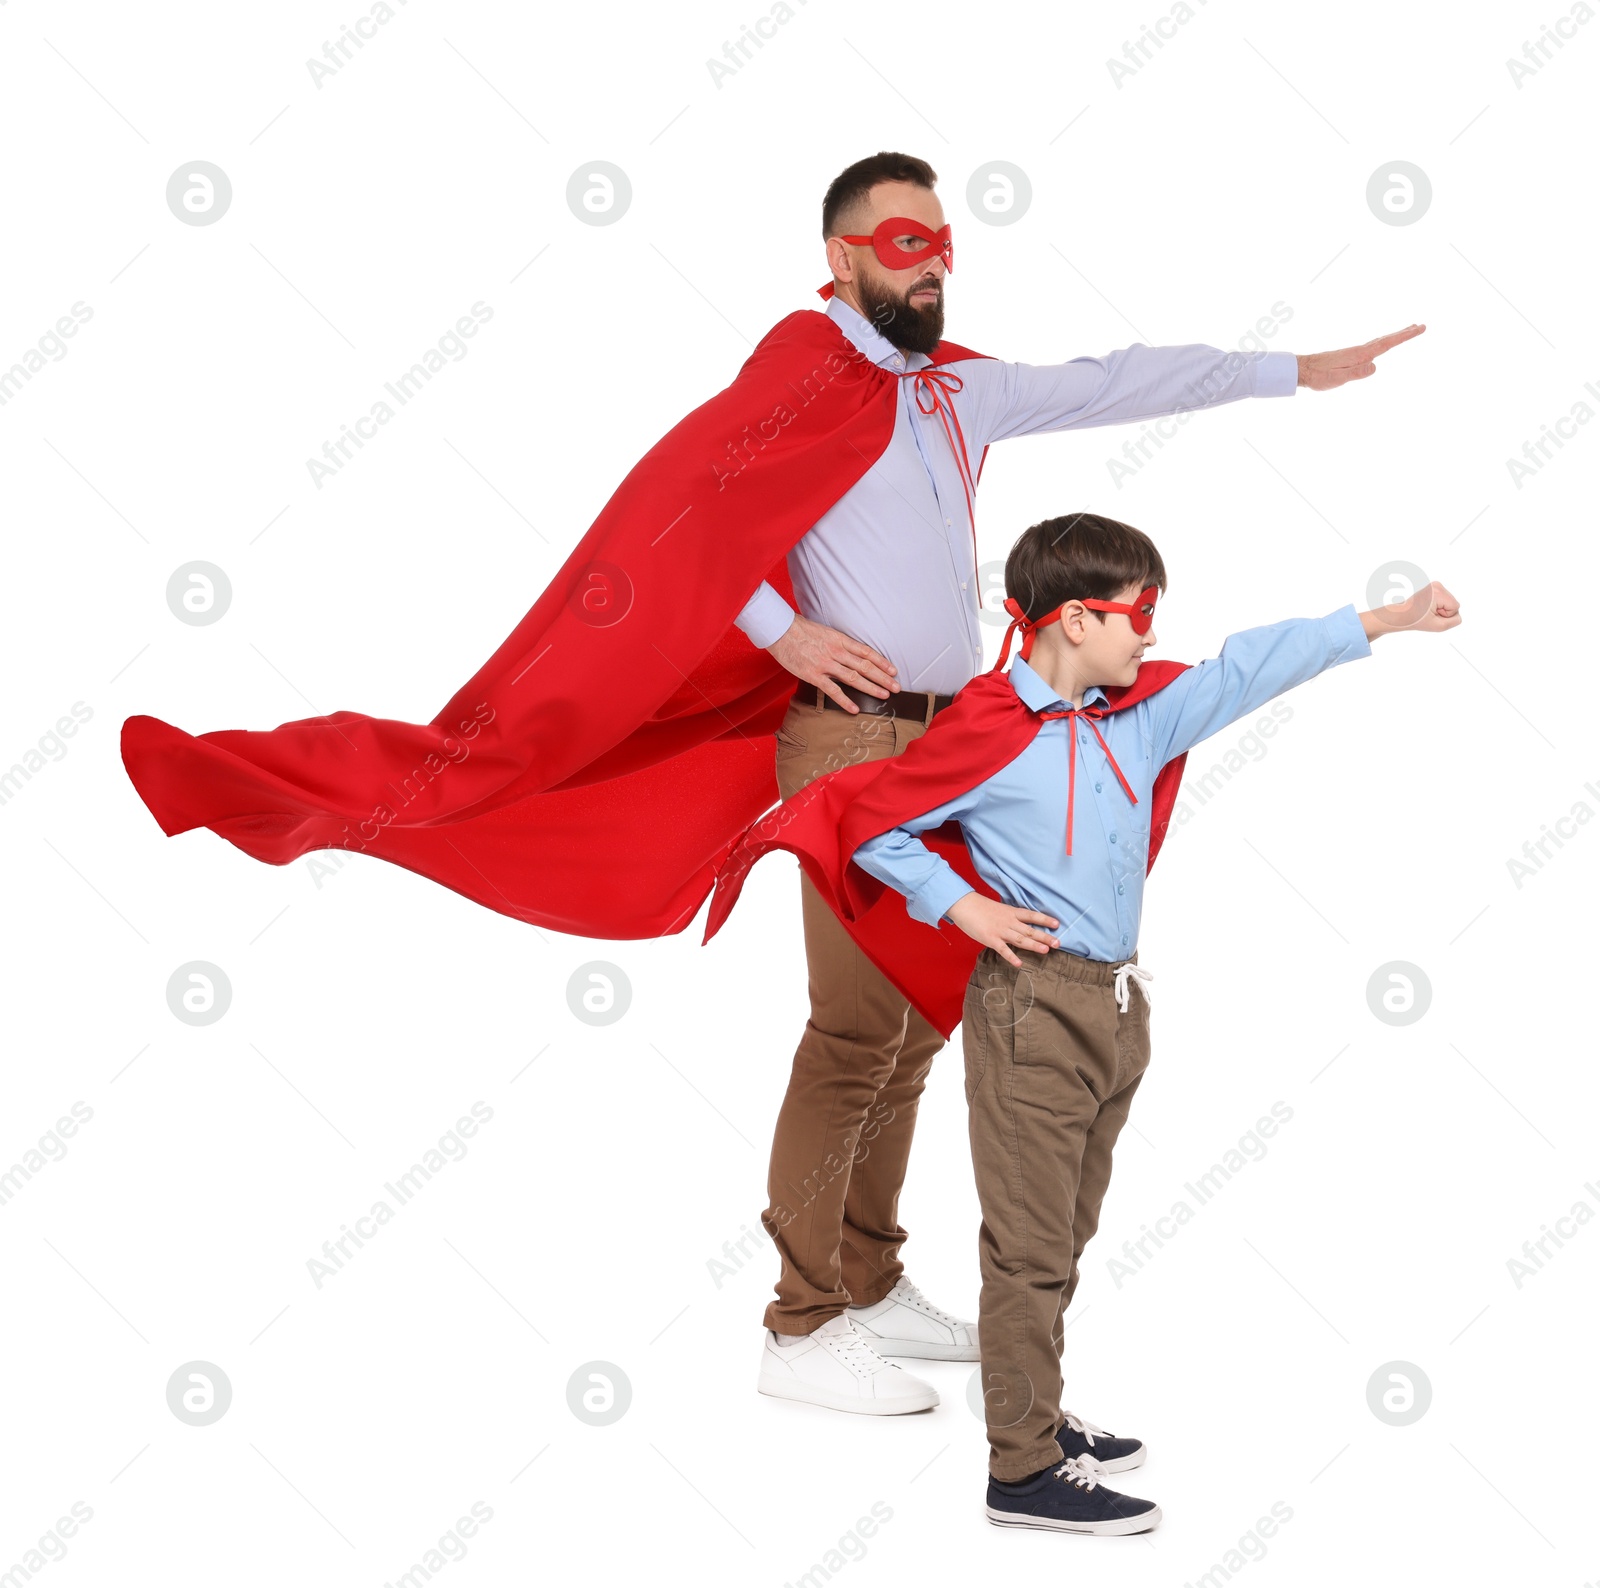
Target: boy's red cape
594,772
983,729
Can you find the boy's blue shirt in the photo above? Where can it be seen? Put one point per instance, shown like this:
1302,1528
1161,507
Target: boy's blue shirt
1014,823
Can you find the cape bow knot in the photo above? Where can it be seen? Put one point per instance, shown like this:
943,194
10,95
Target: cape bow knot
1088,713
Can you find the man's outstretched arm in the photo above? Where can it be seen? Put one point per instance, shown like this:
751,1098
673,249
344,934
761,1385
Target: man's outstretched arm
1140,382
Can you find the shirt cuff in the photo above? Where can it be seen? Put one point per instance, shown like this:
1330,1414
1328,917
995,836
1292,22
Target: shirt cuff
765,618
931,902
1277,375
1347,640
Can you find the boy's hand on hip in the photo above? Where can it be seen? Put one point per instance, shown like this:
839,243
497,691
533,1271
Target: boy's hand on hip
1430,610
827,657
1324,371
998,925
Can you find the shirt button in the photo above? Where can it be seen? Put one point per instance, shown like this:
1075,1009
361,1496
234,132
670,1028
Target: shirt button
1124,937
963,584
947,521
1113,836
1097,788
1119,890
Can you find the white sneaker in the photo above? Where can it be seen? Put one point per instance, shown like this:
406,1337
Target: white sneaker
834,1366
906,1323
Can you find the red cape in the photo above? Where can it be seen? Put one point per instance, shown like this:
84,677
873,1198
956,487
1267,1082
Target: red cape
593,773
984,728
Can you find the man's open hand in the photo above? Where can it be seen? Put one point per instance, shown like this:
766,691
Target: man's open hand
998,925
821,655
1324,371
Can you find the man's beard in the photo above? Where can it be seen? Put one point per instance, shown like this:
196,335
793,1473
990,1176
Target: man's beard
911,327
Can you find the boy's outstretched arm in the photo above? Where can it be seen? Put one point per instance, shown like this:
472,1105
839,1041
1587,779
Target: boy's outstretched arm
1255,665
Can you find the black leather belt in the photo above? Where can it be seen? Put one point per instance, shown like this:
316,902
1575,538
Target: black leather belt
912,704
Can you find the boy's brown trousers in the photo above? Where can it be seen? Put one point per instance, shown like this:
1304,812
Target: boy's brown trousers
1052,1065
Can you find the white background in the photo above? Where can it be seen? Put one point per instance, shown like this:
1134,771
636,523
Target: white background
371,1009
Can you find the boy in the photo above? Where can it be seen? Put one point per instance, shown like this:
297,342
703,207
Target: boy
1055,1050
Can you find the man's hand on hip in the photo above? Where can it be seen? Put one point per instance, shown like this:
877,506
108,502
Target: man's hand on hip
1324,371
826,657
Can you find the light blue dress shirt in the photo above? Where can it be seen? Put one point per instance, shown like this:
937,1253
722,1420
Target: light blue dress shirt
1015,823
891,562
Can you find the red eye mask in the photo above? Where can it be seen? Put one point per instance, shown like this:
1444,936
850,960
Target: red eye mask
893,257
1140,615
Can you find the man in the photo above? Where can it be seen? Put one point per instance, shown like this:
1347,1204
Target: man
885,633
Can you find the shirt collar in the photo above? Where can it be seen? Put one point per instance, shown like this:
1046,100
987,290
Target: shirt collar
868,339
1037,695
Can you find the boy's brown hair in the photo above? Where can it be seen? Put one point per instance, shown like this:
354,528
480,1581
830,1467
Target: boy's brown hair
1080,557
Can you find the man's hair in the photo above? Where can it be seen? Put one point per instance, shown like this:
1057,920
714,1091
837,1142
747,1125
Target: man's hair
1080,557
847,193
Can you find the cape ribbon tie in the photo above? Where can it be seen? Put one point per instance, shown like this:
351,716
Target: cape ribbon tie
937,384
1088,713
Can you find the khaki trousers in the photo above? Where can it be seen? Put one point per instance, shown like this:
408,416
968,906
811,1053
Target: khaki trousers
843,1136
1051,1067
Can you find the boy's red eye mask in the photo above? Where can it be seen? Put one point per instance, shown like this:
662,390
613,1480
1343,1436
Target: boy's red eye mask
893,257
1141,614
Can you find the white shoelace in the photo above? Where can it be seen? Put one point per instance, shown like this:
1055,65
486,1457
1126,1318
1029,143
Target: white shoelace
855,1351
905,1291
1084,1471
1126,970
1082,1425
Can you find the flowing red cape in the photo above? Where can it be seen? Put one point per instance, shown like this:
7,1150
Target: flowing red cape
595,770
984,728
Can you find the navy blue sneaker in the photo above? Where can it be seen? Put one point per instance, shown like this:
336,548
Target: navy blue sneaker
1069,1499
1077,1436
